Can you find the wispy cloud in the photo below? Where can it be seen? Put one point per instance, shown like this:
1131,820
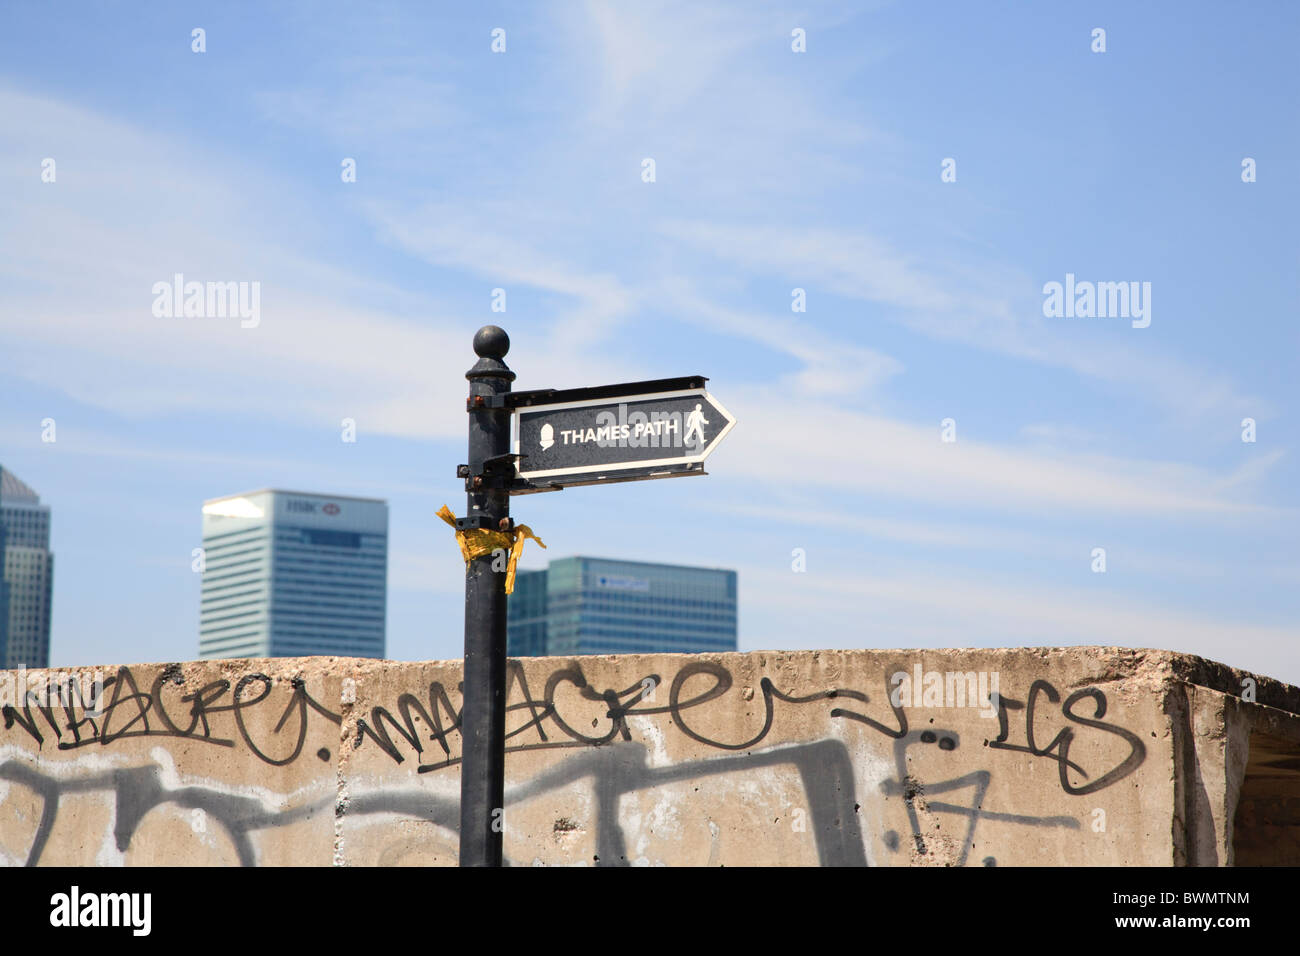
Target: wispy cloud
473,239
790,441
829,366
995,308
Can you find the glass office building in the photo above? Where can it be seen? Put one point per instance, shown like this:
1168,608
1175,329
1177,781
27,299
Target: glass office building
292,574
601,606
27,581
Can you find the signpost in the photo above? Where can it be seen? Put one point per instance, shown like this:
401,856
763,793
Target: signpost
483,699
641,430
631,432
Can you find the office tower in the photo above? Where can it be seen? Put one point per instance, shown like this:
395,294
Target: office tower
26,590
292,574
599,606
526,615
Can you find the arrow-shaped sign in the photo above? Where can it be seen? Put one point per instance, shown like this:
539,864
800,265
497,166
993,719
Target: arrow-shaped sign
617,432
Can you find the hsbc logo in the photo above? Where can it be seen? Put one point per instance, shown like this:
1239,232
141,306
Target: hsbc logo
299,506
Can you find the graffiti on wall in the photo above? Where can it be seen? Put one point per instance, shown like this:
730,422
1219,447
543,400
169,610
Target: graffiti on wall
273,721
122,711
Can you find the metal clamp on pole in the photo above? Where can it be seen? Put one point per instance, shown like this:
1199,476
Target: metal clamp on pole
498,472
469,523
476,402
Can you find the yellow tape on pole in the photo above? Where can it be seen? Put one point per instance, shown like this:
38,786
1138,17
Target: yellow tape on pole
478,542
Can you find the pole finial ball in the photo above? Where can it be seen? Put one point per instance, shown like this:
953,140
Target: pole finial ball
491,341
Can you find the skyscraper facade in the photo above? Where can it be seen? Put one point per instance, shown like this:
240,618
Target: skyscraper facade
293,574
27,588
586,605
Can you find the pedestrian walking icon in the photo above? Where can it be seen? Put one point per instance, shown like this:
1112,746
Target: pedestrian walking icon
694,422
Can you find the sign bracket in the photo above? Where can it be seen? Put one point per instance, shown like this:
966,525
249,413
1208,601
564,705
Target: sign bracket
480,402
498,473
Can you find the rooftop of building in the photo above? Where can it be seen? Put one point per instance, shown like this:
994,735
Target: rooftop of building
642,564
13,489
300,494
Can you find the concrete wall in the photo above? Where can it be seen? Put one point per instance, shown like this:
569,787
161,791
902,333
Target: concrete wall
1091,756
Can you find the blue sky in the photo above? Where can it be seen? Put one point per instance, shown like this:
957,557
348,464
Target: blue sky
774,170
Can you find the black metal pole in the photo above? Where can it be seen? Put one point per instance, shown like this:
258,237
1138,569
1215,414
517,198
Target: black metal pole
483,717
